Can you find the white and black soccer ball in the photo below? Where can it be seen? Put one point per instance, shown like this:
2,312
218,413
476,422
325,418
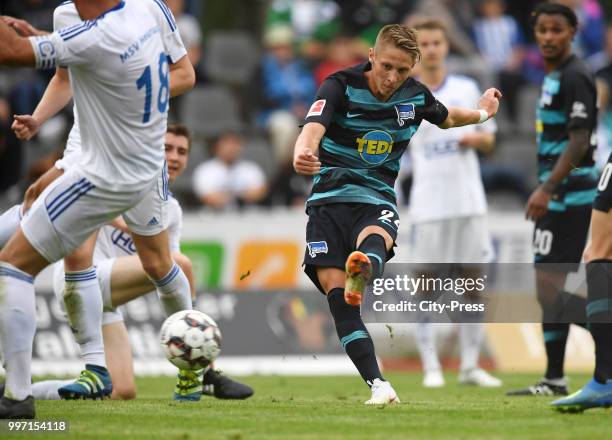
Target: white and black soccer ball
190,339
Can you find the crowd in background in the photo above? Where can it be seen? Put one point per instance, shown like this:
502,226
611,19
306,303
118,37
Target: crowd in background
255,85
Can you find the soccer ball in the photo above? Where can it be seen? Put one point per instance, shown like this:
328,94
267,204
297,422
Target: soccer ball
190,339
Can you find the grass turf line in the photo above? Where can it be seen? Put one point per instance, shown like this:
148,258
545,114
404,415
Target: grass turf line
326,408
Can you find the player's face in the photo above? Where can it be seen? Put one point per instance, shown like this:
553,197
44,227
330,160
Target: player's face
554,36
177,154
434,48
391,66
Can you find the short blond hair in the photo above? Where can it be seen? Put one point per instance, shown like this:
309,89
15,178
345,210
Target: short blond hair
400,36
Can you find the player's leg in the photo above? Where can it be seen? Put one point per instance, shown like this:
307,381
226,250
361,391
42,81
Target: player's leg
330,238
428,244
598,391
473,250
9,222
19,264
119,356
82,300
10,219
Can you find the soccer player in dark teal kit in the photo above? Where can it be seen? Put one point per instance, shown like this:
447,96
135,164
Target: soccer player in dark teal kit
353,137
561,205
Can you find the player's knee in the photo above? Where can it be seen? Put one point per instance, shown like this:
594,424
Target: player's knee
124,392
183,261
156,268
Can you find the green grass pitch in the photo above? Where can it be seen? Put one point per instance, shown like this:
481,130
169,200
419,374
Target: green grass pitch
326,408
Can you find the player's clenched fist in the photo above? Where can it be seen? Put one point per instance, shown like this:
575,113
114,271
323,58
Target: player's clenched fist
25,127
306,163
489,101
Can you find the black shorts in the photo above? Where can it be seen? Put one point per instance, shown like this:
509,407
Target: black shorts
332,230
603,201
560,237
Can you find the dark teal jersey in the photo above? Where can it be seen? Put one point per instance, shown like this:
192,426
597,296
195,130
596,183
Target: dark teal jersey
365,137
568,101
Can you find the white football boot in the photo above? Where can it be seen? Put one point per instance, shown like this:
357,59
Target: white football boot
433,379
382,394
480,378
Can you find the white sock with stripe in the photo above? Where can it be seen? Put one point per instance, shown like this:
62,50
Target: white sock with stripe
47,389
173,291
9,222
83,301
17,328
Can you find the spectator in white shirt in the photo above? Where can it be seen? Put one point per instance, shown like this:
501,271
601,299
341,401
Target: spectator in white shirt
225,180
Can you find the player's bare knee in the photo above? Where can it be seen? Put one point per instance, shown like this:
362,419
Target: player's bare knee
183,261
330,278
125,392
373,229
157,268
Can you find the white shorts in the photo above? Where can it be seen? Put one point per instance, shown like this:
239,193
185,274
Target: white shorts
456,240
103,268
70,209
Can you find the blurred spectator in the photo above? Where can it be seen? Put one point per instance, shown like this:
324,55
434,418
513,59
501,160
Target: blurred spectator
604,86
591,26
10,150
340,54
286,88
304,16
500,42
227,181
366,17
456,16
189,29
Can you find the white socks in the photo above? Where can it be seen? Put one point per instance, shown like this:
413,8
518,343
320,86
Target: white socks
17,328
47,389
9,222
426,342
471,336
83,302
173,291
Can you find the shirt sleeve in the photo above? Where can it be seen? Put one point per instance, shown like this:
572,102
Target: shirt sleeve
433,110
580,101
65,16
74,45
170,33
330,98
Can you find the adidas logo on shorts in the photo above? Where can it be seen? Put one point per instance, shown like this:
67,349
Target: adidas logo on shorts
153,222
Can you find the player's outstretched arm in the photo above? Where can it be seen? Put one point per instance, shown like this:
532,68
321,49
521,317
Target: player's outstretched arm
15,50
57,95
488,104
182,77
22,27
305,159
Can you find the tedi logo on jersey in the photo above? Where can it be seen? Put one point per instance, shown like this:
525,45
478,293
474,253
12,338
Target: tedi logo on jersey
375,146
404,112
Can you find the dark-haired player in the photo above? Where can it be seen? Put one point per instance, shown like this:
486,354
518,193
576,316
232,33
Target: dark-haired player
561,205
353,138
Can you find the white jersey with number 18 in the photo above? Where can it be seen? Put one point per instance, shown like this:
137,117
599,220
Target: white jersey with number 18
119,72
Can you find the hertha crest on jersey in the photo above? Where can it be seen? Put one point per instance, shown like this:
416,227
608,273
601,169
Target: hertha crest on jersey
404,112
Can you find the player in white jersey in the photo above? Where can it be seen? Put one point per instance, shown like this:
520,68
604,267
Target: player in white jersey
447,200
122,279
120,80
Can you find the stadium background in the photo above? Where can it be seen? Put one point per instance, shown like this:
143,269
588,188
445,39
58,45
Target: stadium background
247,255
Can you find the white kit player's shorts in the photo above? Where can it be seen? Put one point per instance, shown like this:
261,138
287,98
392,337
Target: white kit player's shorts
456,240
70,209
104,268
